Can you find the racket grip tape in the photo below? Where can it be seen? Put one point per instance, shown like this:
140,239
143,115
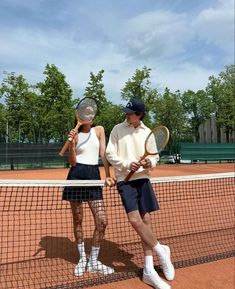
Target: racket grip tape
64,148
131,173
66,145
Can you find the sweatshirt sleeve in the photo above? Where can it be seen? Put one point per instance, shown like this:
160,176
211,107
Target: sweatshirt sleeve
154,160
112,152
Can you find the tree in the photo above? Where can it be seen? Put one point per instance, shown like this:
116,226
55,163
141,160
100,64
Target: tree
55,105
198,107
19,107
169,111
221,89
2,123
139,86
108,114
95,89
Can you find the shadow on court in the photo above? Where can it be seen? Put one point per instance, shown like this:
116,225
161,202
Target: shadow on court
63,248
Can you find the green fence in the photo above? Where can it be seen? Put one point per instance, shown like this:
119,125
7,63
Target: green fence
31,156
207,152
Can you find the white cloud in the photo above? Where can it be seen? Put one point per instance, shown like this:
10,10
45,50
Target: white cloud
183,77
29,52
162,40
216,25
158,34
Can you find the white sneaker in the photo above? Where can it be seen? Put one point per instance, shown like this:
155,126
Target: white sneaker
166,264
98,267
80,268
154,280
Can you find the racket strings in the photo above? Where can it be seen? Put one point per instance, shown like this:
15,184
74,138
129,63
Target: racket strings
157,140
151,144
86,109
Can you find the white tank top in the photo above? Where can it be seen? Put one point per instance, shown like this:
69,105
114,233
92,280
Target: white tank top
87,149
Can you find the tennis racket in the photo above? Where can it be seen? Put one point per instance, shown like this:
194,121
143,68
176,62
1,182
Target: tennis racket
154,144
84,113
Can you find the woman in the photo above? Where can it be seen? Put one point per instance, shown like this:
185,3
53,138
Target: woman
84,151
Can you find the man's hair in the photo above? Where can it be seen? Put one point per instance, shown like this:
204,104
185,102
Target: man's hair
142,115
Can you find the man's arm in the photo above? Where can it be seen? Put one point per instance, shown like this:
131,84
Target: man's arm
112,153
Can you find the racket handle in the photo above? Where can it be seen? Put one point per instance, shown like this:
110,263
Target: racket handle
66,145
64,148
131,173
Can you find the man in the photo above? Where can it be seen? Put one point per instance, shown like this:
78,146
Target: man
124,150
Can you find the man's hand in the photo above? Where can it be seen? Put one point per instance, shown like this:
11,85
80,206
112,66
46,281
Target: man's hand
134,166
146,163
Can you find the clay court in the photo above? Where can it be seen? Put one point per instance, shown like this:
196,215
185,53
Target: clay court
212,275
160,171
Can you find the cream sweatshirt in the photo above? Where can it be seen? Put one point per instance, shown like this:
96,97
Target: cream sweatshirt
126,145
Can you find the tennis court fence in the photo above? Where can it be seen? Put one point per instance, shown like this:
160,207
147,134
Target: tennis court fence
38,249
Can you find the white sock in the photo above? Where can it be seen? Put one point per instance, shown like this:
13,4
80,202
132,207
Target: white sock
81,250
94,253
148,264
159,249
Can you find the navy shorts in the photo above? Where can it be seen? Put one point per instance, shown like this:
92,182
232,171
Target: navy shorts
138,195
79,194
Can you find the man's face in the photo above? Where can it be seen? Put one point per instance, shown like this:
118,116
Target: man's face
132,118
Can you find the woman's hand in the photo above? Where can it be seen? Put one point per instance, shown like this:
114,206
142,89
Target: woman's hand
110,182
71,135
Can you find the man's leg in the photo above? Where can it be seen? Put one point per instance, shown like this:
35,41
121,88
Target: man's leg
148,251
150,276
142,229
146,234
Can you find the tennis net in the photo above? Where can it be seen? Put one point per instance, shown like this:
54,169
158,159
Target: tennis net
38,249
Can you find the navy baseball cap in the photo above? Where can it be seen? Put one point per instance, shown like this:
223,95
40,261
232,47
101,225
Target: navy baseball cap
135,105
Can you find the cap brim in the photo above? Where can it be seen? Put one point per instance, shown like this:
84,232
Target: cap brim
128,110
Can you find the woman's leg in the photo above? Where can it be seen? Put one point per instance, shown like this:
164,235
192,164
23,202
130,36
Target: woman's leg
98,211
77,212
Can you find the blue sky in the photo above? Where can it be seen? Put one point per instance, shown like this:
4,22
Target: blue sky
183,41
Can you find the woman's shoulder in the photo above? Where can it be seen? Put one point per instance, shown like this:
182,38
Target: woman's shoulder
98,128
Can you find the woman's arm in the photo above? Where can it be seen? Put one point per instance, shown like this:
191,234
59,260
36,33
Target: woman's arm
101,134
72,148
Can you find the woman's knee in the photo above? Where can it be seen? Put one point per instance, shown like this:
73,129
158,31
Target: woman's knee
77,221
101,223
77,218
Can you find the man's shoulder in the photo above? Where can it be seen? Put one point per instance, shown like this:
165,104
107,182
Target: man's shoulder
119,126
145,127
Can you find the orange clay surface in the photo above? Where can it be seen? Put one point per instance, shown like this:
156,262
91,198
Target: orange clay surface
159,171
214,275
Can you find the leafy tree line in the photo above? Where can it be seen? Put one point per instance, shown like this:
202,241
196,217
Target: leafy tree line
44,112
